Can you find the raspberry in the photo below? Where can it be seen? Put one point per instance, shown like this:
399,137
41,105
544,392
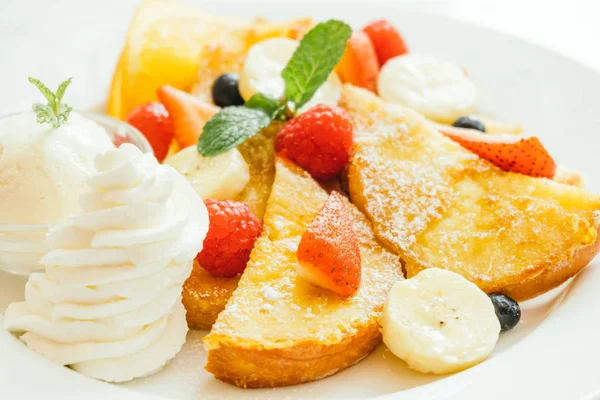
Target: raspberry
232,231
318,140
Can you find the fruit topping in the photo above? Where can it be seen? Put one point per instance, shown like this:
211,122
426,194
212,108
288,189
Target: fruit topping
469,122
439,322
507,310
359,65
222,177
508,152
262,72
189,115
232,231
439,90
328,253
386,39
318,140
276,92
152,119
225,91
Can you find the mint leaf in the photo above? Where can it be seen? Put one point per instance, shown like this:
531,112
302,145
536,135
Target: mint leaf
260,101
54,112
60,92
318,53
48,94
230,127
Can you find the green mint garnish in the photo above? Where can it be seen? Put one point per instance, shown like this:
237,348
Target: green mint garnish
318,53
55,112
229,128
262,102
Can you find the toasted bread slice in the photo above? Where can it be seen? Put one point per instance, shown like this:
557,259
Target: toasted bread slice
438,205
277,329
205,296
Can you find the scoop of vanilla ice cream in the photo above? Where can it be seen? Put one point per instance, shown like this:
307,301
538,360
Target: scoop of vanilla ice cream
43,169
109,304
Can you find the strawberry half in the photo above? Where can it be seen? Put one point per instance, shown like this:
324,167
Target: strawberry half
386,39
152,119
523,155
328,254
187,113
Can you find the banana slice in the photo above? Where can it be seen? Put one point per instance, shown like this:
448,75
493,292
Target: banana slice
222,177
439,322
262,73
437,89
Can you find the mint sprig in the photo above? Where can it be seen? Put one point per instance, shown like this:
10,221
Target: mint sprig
229,128
55,112
318,53
263,102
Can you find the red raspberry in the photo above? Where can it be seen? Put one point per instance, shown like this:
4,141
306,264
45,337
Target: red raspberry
232,231
318,140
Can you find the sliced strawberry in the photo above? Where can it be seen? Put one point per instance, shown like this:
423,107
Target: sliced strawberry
187,112
523,155
359,65
152,119
386,39
328,254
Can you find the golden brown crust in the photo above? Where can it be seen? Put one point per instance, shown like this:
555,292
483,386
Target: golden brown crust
205,296
296,332
554,276
305,362
505,232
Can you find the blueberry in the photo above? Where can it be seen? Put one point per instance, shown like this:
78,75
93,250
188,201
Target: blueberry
469,122
507,310
225,91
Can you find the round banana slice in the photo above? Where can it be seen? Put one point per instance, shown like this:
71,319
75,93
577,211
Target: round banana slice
439,322
262,73
222,177
435,88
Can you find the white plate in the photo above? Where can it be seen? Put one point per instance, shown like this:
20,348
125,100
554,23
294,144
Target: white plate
552,352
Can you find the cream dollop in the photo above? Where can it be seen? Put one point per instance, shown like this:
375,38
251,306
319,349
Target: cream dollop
109,304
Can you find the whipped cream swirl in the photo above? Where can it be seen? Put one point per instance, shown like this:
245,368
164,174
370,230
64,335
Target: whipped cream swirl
109,304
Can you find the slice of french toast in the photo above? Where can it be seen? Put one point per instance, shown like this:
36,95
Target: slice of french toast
438,205
204,296
277,329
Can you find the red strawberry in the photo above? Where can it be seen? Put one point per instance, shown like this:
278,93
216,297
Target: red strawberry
152,119
318,140
328,254
187,112
386,39
359,65
508,152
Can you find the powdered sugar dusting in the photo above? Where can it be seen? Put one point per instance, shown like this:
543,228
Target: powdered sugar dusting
437,204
